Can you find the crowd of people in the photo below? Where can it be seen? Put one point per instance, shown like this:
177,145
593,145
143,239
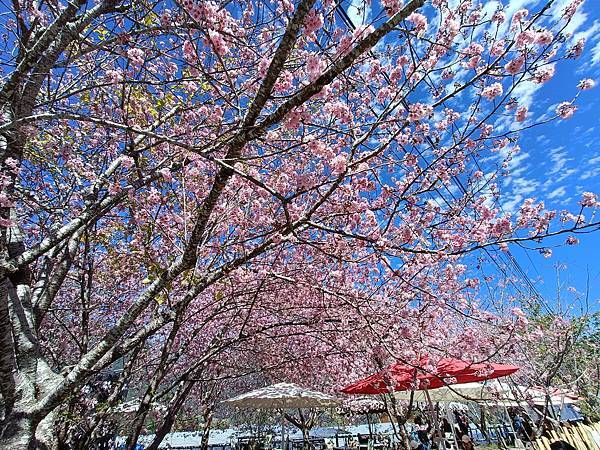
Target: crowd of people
524,429
423,434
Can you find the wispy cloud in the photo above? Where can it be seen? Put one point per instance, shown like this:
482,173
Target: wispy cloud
595,59
593,161
557,193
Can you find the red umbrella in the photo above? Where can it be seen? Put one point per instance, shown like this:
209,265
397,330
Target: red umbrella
403,377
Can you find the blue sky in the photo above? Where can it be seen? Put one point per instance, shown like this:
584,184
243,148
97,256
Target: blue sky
557,161
561,160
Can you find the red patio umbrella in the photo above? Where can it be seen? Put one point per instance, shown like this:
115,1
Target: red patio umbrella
404,377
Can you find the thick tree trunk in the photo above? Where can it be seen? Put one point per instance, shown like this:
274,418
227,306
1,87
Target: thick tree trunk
18,432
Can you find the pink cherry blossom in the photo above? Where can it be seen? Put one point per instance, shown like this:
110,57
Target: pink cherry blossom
521,114
576,50
166,174
315,67
586,84
519,17
499,17
5,201
497,47
217,41
543,37
589,199
189,52
419,21
136,56
571,8
418,111
313,21
514,66
544,74
127,162
338,164
525,38
492,91
392,6
571,240
565,110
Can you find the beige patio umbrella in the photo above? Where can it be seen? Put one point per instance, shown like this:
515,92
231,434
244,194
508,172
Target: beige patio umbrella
283,396
460,393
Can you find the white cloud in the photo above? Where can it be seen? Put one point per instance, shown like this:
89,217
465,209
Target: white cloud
558,192
511,205
564,174
524,186
595,54
515,165
595,160
591,173
588,32
524,91
559,160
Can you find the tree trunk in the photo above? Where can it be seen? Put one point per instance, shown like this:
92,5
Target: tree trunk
208,416
169,419
18,431
306,438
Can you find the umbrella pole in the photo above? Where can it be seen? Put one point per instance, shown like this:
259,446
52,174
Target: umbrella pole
510,422
436,425
452,422
282,429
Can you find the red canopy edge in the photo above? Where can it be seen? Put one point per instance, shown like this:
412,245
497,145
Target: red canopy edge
448,371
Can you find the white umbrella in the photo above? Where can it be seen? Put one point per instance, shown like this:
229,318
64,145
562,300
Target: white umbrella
283,396
363,405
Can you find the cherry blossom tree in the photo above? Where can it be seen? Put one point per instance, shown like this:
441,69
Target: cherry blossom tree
559,349
180,180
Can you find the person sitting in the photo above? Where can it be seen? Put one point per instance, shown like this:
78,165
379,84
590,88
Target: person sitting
422,431
416,445
446,426
467,443
463,424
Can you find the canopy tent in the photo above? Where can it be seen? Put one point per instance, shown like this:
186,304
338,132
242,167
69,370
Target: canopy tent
498,394
491,392
556,396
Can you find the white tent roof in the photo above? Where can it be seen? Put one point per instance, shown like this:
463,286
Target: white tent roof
491,392
466,392
283,395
